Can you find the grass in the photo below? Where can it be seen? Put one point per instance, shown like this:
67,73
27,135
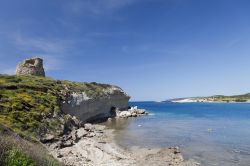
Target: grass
29,108
16,151
30,104
15,157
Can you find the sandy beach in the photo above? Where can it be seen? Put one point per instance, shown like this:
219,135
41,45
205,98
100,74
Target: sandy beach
97,147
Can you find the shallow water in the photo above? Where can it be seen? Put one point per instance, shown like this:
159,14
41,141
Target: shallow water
211,133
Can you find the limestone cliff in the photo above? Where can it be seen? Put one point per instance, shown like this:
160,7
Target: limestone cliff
40,105
88,108
39,108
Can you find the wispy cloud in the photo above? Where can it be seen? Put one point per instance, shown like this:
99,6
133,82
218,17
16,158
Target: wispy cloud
232,43
41,44
53,51
105,34
97,6
52,62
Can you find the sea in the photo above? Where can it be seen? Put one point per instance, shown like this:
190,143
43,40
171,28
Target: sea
214,134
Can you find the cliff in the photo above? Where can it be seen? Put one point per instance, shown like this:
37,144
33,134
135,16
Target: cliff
35,109
39,110
88,108
38,106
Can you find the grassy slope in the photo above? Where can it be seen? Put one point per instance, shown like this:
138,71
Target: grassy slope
30,106
27,102
17,151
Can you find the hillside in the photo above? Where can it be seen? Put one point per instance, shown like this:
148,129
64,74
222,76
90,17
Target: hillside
234,98
30,110
27,102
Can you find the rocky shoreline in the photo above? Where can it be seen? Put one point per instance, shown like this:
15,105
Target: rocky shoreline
93,145
57,112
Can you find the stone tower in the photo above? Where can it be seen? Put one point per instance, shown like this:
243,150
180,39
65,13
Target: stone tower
33,66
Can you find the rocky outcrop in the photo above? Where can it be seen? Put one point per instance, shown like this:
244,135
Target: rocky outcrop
132,112
92,108
33,66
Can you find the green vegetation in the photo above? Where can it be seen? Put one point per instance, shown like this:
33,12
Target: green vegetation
221,98
16,151
236,98
29,108
27,102
16,157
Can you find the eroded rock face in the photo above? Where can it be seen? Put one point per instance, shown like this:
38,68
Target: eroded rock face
87,109
33,66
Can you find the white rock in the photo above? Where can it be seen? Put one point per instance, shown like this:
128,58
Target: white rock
78,98
47,138
125,114
89,127
133,114
81,133
140,111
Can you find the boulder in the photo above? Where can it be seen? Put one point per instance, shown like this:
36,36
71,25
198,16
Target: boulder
89,127
131,112
91,134
33,66
75,121
66,144
81,133
47,138
134,115
140,111
124,114
136,110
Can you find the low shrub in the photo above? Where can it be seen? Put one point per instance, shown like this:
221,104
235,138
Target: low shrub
17,151
15,157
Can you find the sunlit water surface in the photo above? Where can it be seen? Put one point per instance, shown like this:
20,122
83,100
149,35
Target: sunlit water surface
211,133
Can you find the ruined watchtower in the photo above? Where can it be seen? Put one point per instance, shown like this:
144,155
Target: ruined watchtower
33,66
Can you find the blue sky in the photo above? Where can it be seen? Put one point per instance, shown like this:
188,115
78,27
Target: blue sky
153,49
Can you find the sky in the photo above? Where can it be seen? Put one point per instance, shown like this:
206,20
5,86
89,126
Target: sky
153,49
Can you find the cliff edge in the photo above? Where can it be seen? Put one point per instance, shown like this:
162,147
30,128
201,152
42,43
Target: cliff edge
40,106
35,110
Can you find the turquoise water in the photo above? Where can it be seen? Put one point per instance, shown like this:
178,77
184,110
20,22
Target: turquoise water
211,133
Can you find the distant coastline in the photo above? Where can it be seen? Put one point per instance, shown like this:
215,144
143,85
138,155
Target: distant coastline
189,100
245,98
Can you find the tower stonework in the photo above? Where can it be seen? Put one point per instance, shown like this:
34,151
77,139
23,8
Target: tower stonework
33,66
